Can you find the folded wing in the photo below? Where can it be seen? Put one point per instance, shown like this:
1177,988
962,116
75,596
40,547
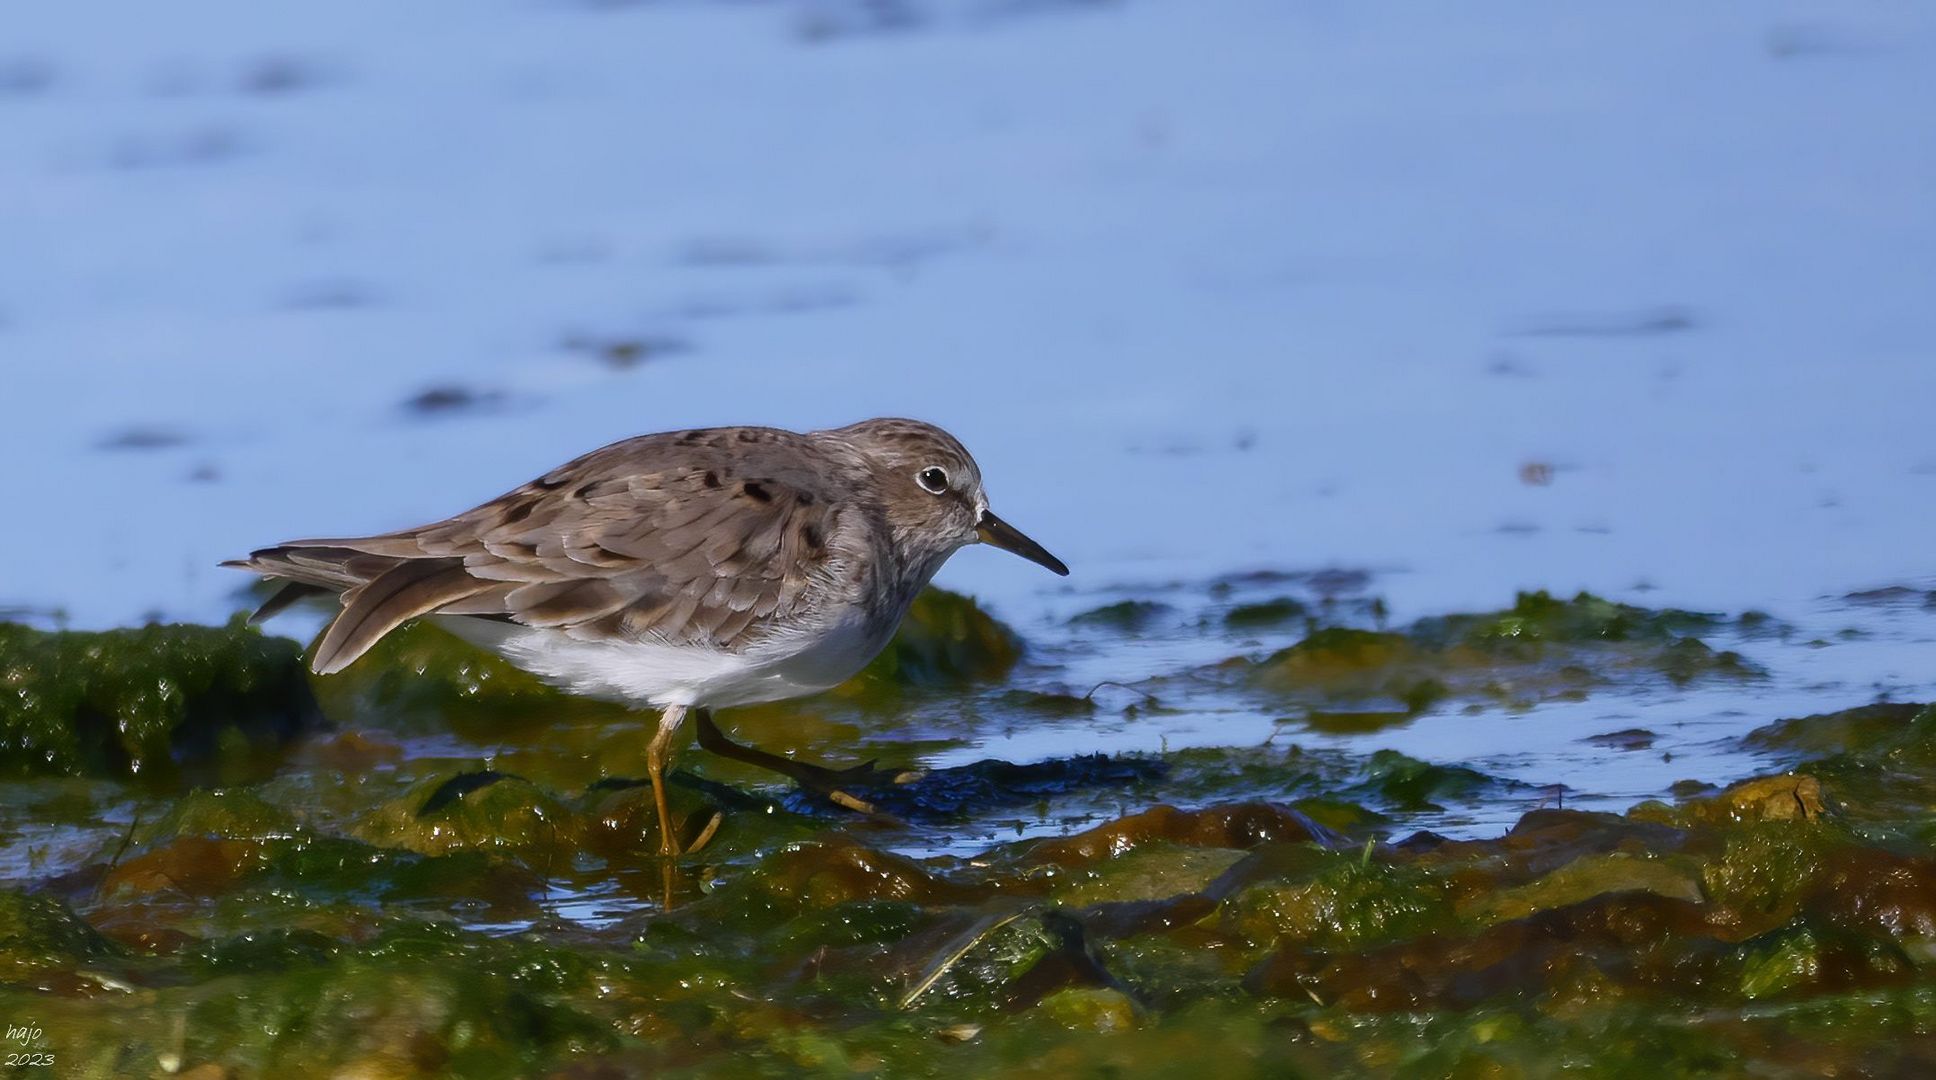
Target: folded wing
668,538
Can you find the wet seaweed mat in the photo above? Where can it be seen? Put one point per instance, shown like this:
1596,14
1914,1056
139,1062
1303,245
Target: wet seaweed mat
432,864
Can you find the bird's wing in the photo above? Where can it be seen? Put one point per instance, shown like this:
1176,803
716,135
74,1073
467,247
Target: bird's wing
686,538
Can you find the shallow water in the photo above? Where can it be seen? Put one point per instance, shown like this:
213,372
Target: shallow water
1266,287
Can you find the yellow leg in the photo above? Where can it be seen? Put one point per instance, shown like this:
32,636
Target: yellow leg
656,757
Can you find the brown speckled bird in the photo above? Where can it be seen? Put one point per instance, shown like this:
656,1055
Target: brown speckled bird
683,571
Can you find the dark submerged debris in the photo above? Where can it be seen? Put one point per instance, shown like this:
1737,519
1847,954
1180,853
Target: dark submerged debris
25,75
956,792
208,144
344,294
459,786
1647,322
450,399
276,76
142,437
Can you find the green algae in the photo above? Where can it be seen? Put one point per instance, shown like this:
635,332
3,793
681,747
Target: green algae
1343,902
1540,649
156,703
508,813
945,640
464,1008
376,910
1807,956
1145,873
1165,935
1088,1009
39,933
1903,732
1355,722
1589,876
1265,613
233,813
1408,784
1874,764
1124,616
1539,617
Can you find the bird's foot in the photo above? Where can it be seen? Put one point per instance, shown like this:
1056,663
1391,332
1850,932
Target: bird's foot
837,786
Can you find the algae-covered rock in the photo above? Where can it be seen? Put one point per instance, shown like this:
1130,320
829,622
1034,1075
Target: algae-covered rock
276,1003
1125,616
39,933
1265,613
1358,721
196,866
1587,877
411,1002
1616,939
1686,659
1338,657
840,870
1787,797
149,703
1407,783
260,952
1009,957
1237,826
945,640
1767,869
1541,617
1540,649
442,814
1090,1009
1156,872
1769,798
232,813
1877,761
1347,902
1879,892
1866,732
1344,664
1807,957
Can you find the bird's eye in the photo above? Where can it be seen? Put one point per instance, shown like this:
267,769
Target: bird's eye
933,479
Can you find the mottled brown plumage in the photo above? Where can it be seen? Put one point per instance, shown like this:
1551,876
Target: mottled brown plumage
696,538
685,569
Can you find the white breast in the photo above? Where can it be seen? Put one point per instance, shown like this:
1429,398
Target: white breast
644,673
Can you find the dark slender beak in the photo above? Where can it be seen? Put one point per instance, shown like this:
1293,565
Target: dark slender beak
1000,533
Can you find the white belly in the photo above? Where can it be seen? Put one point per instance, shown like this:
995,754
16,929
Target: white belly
642,673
